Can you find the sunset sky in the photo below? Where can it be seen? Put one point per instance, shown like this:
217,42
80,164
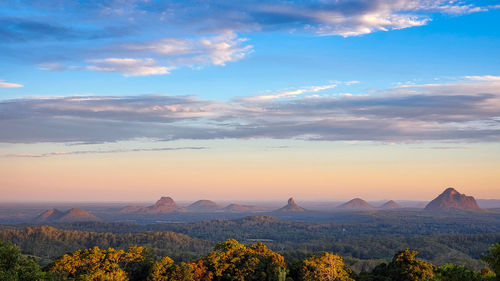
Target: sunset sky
249,100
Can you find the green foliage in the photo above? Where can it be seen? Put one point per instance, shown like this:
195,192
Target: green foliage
16,267
324,267
492,258
403,267
452,272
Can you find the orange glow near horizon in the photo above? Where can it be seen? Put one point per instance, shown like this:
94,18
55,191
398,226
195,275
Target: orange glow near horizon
255,170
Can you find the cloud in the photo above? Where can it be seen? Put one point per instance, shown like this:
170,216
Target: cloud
128,66
215,50
78,152
484,78
9,85
289,93
462,111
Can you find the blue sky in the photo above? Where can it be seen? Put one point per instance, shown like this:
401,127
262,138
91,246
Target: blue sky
51,49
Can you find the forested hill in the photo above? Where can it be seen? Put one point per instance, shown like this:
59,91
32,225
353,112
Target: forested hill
48,242
361,252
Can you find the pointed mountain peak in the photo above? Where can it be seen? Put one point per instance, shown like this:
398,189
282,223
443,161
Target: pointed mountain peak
391,204
291,206
451,199
451,191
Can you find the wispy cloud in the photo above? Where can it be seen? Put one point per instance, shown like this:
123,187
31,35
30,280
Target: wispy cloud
290,93
467,110
128,66
9,85
78,152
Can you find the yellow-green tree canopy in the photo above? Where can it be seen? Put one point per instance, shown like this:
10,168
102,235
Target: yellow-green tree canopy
324,267
233,261
97,264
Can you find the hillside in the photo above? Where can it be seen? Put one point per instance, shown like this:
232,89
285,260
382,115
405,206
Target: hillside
451,199
49,242
72,215
356,204
203,206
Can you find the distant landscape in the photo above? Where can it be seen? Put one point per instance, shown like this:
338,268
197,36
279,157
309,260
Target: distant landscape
279,140
452,228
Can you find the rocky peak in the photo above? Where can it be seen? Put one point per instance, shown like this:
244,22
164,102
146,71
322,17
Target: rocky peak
164,201
451,199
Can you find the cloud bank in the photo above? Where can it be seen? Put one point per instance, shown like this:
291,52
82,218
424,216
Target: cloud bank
462,111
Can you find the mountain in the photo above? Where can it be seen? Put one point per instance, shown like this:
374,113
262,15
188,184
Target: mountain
241,208
390,205
49,215
72,215
291,207
164,205
203,206
451,199
356,204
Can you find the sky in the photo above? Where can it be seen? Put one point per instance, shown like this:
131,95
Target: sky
249,100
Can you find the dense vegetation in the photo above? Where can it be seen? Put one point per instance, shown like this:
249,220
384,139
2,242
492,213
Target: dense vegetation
48,242
361,249
231,261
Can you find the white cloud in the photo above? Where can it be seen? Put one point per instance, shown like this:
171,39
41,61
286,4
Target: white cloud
290,93
9,85
484,78
128,66
154,56
215,50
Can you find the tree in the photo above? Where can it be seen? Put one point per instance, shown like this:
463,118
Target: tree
492,258
452,272
97,264
324,267
16,267
403,267
233,261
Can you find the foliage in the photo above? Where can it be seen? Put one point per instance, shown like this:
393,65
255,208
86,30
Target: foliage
16,267
403,267
48,242
233,261
452,272
492,258
97,264
324,267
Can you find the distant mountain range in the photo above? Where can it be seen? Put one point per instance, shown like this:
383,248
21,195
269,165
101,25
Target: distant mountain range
451,199
72,215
